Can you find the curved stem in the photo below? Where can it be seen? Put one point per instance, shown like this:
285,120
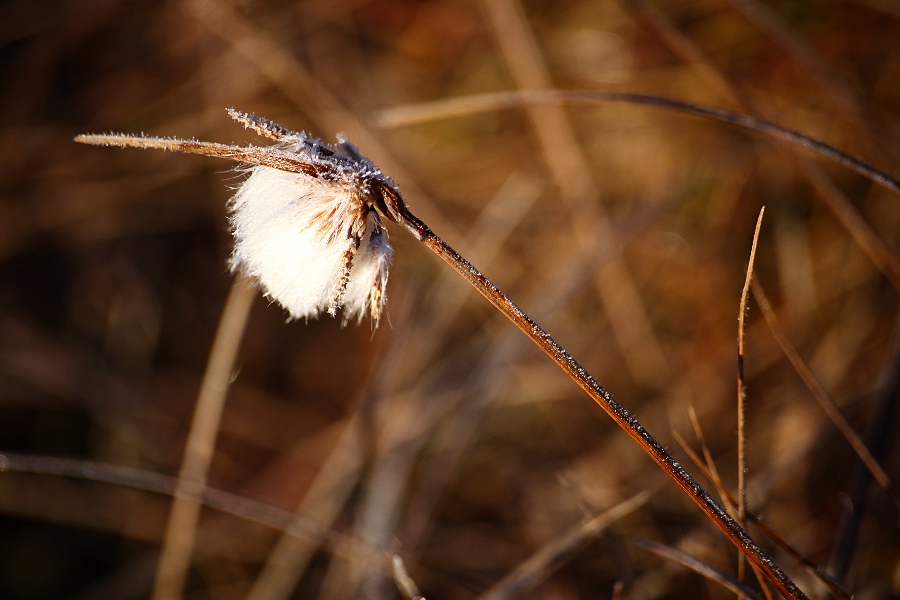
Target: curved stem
440,109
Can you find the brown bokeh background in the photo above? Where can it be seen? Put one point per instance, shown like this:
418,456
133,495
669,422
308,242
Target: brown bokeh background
445,437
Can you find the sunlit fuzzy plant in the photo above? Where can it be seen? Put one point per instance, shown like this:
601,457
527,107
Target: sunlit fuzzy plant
308,225
314,237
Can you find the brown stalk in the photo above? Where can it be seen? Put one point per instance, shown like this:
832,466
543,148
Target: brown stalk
467,105
742,395
819,393
250,509
179,538
713,475
605,400
709,470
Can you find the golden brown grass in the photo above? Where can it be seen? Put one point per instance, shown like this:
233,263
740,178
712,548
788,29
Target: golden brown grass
446,439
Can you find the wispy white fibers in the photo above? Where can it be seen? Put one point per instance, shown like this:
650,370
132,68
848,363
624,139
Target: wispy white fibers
292,233
308,221
368,278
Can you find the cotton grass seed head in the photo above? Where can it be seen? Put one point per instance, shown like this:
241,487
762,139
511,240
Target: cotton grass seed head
307,221
312,240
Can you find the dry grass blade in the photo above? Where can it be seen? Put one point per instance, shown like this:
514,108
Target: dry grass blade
178,543
655,21
723,579
883,425
742,392
709,470
550,557
819,393
148,481
113,279
468,105
878,251
260,156
882,255
768,22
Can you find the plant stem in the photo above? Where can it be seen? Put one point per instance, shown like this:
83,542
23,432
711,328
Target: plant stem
622,417
742,395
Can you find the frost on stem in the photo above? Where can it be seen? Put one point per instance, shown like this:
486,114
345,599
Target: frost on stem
307,221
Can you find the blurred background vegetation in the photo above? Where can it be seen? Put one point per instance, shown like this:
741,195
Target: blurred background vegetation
445,436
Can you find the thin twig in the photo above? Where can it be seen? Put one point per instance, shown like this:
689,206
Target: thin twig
178,541
742,395
711,471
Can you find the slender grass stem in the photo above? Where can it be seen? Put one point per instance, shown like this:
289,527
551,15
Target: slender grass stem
622,417
180,535
742,394
709,470
467,105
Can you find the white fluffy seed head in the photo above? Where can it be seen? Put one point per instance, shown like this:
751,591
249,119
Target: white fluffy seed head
308,221
293,233
368,278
